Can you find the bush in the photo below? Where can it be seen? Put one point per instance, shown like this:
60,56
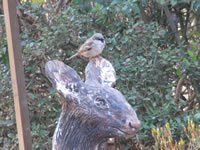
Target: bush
164,138
148,65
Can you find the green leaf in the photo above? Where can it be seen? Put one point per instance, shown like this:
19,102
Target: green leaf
162,2
185,60
197,116
194,57
190,52
178,72
196,6
173,2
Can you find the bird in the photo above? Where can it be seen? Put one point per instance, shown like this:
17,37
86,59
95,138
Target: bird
92,47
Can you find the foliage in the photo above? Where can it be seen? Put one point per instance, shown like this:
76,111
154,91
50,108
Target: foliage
164,138
146,76
3,44
149,66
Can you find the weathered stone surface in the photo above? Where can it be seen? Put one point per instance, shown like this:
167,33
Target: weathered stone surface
92,111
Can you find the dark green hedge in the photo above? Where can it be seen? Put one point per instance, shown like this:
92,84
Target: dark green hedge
148,63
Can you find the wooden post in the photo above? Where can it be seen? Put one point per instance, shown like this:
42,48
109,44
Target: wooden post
17,75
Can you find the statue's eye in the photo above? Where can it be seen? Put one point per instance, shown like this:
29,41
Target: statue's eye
100,101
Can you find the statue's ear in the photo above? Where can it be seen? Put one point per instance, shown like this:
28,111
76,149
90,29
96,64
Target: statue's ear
64,79
100,71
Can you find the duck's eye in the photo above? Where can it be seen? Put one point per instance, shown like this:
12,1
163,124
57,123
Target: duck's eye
100,101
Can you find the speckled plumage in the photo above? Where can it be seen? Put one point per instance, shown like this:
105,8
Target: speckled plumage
92,47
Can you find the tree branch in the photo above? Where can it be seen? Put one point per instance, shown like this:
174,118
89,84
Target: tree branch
143,15
186,23
179,89
60,3
182,24
171,23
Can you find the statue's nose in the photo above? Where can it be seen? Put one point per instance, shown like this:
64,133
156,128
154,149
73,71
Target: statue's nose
134,124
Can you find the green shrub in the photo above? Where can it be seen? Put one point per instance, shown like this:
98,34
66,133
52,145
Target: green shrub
164,138
148,67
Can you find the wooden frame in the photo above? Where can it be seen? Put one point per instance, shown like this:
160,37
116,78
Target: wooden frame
17,75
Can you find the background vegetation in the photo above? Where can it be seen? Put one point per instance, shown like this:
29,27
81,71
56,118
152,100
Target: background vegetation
153,45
